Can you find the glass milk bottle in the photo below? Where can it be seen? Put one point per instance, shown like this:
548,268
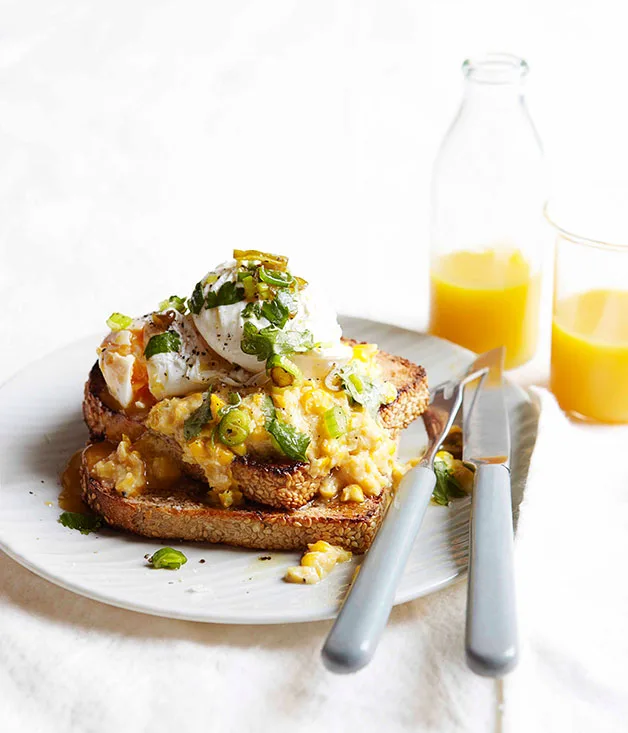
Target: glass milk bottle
488,192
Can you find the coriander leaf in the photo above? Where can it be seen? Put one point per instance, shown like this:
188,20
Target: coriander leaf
447,487
227,294
85,523
198,419
256,342
174,302
162,343
167,558
252,310
195,303
290,441
268,408
271,340
275,312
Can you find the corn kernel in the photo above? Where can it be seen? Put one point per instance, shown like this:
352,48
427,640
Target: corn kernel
223,455
320,546
299,574
328,490
217,403
197,449
230,497
279,399
317,563
446,458
353,492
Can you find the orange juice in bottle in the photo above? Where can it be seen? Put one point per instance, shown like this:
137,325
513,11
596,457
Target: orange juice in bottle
589,374
487,228
486,298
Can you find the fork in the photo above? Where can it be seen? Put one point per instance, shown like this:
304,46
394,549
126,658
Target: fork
354,637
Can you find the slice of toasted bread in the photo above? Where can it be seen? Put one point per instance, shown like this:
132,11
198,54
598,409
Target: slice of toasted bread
186,514
281,483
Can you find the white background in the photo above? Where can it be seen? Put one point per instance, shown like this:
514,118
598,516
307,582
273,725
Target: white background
142,140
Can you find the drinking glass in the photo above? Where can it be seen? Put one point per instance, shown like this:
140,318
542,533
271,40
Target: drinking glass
589,361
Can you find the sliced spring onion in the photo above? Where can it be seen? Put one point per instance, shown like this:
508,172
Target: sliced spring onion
333,381
335,421
278,262
234,428
118,321
167,558
275,277
263,290
249,287
282,371
174,302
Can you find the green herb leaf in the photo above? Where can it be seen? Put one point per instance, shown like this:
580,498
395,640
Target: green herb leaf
85,523
162,343
227,294
195,302
447,487
199,418
268,408
290,441
271,340
275,312
174,302
252,310
167,558
118,321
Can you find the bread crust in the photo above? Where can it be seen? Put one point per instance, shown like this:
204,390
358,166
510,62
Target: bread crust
186,514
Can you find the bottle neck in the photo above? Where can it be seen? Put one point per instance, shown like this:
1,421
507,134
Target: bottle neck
494,81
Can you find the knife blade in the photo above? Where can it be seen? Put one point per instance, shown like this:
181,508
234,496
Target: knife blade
491,627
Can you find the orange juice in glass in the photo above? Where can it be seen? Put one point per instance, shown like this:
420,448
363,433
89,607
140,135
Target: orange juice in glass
589,364
481,299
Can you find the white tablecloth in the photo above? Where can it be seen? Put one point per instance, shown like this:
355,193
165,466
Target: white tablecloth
139,143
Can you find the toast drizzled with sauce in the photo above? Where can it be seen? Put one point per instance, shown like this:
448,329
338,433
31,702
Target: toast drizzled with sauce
241,415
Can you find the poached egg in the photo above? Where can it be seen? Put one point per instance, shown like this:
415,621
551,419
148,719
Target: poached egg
205,346
223,327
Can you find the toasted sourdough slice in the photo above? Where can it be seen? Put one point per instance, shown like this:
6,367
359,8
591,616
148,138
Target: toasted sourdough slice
281,483
186,514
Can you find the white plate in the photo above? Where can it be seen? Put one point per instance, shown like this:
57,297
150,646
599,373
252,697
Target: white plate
41,426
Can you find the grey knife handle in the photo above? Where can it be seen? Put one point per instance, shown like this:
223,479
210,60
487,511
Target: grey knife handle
356,632
491,635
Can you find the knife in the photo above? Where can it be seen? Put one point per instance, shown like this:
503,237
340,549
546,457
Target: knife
491,631
356,632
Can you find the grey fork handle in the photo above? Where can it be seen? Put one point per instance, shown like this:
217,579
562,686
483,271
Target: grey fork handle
356,632
491,636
